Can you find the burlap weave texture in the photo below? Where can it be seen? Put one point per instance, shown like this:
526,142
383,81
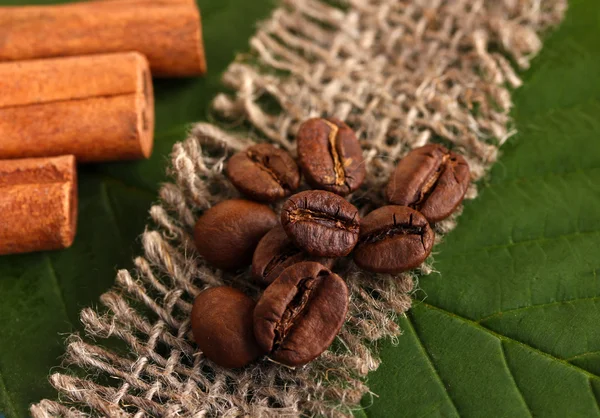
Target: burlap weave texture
402,73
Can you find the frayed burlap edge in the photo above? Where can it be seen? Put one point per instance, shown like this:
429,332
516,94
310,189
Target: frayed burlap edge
402,73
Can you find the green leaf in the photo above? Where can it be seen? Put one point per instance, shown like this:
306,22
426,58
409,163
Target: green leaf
505,329
41,294
509,326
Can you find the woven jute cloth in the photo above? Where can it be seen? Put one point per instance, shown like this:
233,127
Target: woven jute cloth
402,73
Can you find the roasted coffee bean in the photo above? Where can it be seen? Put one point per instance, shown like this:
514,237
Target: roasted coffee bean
430,179
275,253
321,223
393,239
227,234
300,313
330,155
223,327
263,172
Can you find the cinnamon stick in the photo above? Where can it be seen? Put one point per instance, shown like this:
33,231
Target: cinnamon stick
38,203
167,32
98,108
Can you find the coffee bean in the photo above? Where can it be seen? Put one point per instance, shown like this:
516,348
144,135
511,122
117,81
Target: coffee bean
330,155
300,313
264,173
227,234
321,223
275,253
223,327
430,179
393,239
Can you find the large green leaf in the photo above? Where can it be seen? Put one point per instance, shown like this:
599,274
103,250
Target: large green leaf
41,294
510,325
505,329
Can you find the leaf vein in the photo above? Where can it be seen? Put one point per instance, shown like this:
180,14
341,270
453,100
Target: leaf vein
509,339
512,376
431,364
544,176
594,395
523,242
549,113
538,306
578,356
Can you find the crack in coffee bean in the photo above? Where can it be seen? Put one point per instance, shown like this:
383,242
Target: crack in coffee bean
406,228
321,223
293,311
279,259
331,221
264,172
430,184
400,229
431,179
300,313
276,252
330,155
388,240
338,167
263,164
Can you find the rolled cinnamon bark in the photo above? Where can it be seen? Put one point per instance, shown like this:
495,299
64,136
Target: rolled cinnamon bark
167,32
38,203
98,108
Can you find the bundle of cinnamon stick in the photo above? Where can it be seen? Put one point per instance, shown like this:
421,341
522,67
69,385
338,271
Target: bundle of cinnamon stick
76,86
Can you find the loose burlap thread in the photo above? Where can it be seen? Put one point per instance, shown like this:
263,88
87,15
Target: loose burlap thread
402,73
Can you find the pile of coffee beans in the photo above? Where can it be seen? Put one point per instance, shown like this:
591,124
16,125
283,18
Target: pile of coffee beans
292,255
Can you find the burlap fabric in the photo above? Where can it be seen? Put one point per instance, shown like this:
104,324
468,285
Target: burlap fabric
402,73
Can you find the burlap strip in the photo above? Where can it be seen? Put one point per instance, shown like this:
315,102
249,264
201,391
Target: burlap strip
402,73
